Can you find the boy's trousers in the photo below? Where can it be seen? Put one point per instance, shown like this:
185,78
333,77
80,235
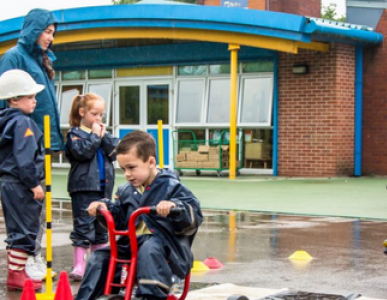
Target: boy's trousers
21,213
154,275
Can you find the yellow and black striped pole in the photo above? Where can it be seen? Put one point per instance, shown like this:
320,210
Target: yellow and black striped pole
49,295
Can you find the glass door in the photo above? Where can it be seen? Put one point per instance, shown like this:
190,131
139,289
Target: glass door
140,105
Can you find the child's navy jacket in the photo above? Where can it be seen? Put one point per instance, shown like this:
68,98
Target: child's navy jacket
176,232
81,151
21,148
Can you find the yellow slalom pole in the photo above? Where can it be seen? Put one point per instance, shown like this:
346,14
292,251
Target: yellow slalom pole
49,295
160,142
233,108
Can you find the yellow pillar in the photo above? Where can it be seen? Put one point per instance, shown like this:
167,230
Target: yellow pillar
160,142
233,108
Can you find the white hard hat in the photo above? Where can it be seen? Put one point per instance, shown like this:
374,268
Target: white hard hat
14,83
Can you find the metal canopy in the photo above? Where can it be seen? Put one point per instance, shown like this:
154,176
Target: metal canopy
255,28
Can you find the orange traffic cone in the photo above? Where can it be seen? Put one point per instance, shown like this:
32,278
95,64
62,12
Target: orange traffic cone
28,291
63,290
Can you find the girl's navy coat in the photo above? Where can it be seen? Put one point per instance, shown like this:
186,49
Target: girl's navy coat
81,151
177,232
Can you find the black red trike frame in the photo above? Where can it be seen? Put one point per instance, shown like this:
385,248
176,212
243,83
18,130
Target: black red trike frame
132,262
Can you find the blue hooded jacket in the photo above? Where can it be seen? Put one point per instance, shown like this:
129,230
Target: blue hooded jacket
27,55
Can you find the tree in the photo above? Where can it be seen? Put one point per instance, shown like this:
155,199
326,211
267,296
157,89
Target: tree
329,12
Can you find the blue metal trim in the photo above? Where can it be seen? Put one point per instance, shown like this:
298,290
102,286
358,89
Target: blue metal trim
275,117
358,110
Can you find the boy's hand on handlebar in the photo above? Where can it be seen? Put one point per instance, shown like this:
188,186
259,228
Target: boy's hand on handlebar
92,209
164,207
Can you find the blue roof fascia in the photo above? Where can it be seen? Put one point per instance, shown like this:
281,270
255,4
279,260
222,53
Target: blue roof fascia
228,19
324,31
296,36
239,20
10,29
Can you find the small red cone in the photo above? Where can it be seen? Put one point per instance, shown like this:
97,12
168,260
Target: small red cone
213,263
28,291
63,290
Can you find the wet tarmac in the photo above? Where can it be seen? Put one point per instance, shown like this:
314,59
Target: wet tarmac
347,253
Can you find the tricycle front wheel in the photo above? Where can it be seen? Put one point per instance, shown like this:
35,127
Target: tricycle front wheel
111,297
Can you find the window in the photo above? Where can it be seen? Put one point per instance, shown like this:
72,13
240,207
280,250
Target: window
255,67
192,70
219,101
98,74
103,90
66,99
129,105
220,69
158,103
190,101
256,101
73,75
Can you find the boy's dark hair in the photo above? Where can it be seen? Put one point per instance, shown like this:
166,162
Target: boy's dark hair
143,143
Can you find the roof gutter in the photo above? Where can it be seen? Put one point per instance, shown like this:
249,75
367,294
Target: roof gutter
345,31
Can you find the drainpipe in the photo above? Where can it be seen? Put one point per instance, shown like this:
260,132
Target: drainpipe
275,117
358,109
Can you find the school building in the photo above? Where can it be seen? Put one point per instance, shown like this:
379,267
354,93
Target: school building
310,93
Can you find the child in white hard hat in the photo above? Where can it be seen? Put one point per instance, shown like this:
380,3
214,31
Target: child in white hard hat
21,172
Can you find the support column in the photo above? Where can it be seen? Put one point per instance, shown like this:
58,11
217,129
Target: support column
233,108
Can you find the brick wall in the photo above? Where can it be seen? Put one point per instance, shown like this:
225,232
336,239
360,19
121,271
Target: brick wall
257,4
316,113
311,8
375,107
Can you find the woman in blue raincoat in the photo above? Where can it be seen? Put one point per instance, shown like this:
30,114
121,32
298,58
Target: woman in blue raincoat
33,55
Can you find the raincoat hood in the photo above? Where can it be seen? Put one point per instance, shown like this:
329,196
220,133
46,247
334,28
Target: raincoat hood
34,24
7,114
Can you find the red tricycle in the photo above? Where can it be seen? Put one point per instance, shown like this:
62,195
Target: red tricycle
128,282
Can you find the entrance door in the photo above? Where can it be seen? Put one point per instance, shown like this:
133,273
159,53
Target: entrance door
140,105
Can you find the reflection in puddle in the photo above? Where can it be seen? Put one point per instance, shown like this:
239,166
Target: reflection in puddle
348,253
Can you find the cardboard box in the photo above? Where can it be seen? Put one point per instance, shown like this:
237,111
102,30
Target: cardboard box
203,149
213,157
213,152
191,156
202,157
257,150
208,165
191,164
180,157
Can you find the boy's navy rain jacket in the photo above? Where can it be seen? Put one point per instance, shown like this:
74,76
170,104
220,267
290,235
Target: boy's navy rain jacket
21,148
81,150
177,232
27,56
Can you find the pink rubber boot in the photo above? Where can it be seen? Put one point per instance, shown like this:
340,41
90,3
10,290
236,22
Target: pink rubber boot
96,247
79,264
